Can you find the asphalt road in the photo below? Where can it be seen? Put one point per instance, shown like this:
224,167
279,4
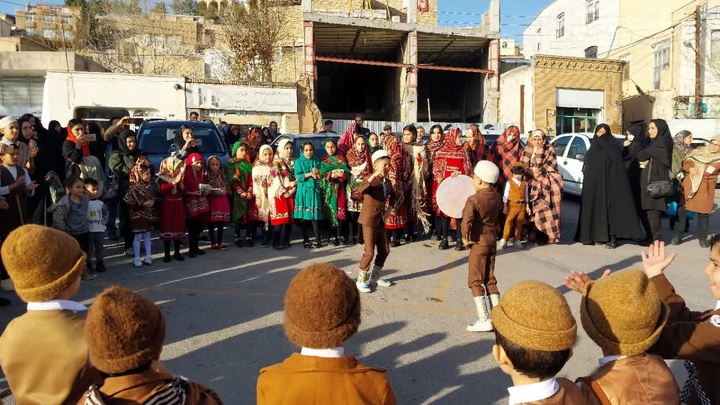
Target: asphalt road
224,311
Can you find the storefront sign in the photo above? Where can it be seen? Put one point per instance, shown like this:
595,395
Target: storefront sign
241,98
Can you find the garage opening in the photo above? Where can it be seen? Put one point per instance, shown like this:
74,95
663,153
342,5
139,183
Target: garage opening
453,96
345,89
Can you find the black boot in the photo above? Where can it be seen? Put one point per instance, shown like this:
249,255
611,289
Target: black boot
266,232
287,229
166,245
679,225
612,244
443,244
276,237
177,256
100,267
703,224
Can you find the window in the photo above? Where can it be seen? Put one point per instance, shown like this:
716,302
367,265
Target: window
626,68
66,10
573,120
49,34
30,32
55,10
67,34
661,55
592,11
538,34
591,52
49,19
560,144
577,149
560,28
715,45
65,20
29,18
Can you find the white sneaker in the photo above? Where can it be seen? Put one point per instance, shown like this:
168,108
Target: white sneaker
480,326
519,245
137,263
501,244
7,285
362,287
384,283
511,242
148,260
375,278
494,300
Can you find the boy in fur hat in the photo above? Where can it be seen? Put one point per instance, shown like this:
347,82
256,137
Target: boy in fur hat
42,352
125,333
322,310
480,215
624,316
534,335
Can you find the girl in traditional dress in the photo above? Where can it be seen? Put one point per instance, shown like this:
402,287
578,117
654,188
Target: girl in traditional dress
140,198
239,176
476,145
196,202
436,142
334,171
308,201
415,188
399,177
347,140
505,152
358,160
219,203
172,212
545,184
373,143
450,160
262,178
282,194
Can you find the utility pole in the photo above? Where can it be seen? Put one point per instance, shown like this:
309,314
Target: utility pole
698,61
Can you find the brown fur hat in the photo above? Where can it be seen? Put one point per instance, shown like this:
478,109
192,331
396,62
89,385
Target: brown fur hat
535,316
622,313
322,307
123,330
42,262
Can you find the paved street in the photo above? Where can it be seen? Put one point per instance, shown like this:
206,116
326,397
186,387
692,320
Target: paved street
224,311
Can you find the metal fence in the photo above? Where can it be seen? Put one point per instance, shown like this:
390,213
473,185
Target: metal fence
377,126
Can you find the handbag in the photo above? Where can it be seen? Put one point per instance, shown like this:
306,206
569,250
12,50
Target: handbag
660,188
111,189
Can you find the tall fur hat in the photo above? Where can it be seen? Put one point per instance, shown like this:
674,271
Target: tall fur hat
42,262
322,307
622,313
123,330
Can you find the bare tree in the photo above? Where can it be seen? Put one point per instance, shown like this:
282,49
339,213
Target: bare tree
253,31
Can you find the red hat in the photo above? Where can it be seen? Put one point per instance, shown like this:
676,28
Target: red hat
194,157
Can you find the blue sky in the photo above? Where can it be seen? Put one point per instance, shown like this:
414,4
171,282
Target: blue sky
515,14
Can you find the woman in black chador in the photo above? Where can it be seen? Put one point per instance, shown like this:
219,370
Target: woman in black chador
607,211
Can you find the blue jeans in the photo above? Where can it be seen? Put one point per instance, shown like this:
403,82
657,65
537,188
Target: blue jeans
113,209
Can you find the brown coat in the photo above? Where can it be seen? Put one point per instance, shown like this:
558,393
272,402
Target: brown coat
702,201
311,380
639,379
689,336
480,215
137,388
568,394
44,357
373,207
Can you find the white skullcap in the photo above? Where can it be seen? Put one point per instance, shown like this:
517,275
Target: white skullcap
10,119
379,154
487,171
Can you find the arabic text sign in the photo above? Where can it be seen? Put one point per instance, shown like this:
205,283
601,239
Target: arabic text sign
241,98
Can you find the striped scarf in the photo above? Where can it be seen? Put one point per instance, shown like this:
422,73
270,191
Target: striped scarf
172,393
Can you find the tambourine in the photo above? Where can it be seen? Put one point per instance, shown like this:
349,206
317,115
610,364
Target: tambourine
452,194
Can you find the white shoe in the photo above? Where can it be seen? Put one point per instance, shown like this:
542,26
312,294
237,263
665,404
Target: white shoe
148,260
375,278
501,244
362,287
519,245
7,285
137,263
480,326
494,300
511,242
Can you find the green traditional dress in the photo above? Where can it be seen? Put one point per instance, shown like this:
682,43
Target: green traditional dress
239,176
308,202
333,190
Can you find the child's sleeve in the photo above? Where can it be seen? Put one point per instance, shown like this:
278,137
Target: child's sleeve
467,217
59,217
506,193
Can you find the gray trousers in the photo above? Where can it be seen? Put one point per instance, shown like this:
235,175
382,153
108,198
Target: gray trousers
95,249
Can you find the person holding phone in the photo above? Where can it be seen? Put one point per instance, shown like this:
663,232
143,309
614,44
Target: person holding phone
185,142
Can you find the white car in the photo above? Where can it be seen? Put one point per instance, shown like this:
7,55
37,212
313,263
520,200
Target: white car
570,150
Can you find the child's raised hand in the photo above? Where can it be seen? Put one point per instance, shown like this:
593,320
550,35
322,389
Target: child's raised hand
578,281
654,261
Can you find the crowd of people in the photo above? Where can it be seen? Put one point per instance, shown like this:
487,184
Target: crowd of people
110,353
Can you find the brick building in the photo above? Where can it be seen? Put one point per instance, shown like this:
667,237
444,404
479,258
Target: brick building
61,25
564,94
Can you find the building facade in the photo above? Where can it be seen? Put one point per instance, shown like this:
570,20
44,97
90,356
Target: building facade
61,25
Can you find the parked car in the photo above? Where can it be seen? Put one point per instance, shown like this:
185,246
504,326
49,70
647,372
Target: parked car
156,137
570,150
298,139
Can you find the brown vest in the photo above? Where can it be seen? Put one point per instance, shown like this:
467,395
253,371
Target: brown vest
13,216
517,192
639,379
